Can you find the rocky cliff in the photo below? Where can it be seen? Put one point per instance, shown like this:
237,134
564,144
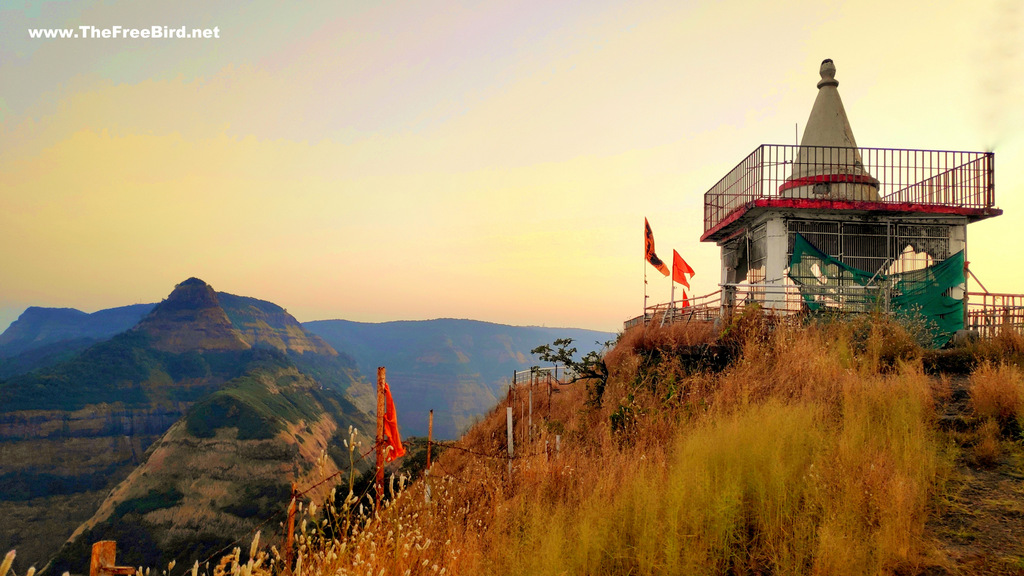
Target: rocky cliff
191,319
262,323
224,469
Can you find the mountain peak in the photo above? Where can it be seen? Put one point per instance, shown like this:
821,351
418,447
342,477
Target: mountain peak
191,318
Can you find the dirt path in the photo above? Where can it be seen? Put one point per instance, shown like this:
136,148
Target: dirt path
979,524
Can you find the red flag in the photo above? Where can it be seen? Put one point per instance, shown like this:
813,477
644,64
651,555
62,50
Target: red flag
680,269
685,303
391,427
649,250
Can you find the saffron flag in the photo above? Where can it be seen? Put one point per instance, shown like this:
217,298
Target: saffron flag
391,427
680,269
649,250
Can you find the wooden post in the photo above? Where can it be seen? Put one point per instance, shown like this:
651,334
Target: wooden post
426,471
290,533
381,409
104,554
430,437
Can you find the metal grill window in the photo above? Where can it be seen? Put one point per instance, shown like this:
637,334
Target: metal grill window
888,247
757,248
823,235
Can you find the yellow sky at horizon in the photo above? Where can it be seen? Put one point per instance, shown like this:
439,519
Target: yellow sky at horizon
492,161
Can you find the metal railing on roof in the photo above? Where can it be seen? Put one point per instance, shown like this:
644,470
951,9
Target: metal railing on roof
926,177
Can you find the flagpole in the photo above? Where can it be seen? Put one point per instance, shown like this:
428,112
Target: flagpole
643,311
672,298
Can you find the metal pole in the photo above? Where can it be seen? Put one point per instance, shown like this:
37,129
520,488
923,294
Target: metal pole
549,396
522,411
508,427
643,311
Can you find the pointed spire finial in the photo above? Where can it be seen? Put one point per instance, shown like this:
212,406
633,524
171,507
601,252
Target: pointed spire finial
828,74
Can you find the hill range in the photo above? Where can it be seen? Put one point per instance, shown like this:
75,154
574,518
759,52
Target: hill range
174,426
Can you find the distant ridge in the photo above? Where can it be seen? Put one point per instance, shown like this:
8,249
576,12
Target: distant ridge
459,368
38,327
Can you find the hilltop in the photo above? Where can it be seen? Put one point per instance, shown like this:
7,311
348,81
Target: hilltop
770,447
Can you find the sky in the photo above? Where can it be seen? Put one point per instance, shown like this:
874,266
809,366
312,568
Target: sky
486,160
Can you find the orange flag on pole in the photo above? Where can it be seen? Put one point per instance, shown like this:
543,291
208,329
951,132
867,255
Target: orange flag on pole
680,269
649,250
391,427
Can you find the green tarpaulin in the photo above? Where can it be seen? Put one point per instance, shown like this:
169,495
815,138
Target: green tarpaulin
827,283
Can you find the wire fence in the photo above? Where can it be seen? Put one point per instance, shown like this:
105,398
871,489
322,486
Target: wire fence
986,313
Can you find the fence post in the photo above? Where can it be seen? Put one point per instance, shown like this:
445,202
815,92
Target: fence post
290,534
381,376
549,396
522,413
103,554
101,563
426,471
529,429
430,436
508,427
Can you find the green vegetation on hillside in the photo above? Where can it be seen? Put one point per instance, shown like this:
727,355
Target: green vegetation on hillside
119,371
248,403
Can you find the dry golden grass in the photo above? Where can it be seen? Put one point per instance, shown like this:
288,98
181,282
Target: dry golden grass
815,452
997,391
987,449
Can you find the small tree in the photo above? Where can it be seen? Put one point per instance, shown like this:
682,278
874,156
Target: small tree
590,367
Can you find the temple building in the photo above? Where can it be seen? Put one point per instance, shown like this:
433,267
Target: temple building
829,225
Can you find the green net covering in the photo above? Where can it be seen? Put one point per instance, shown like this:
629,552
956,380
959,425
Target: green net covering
827,283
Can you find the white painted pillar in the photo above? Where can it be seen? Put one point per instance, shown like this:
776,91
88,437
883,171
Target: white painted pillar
726,293
777,242
958,242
